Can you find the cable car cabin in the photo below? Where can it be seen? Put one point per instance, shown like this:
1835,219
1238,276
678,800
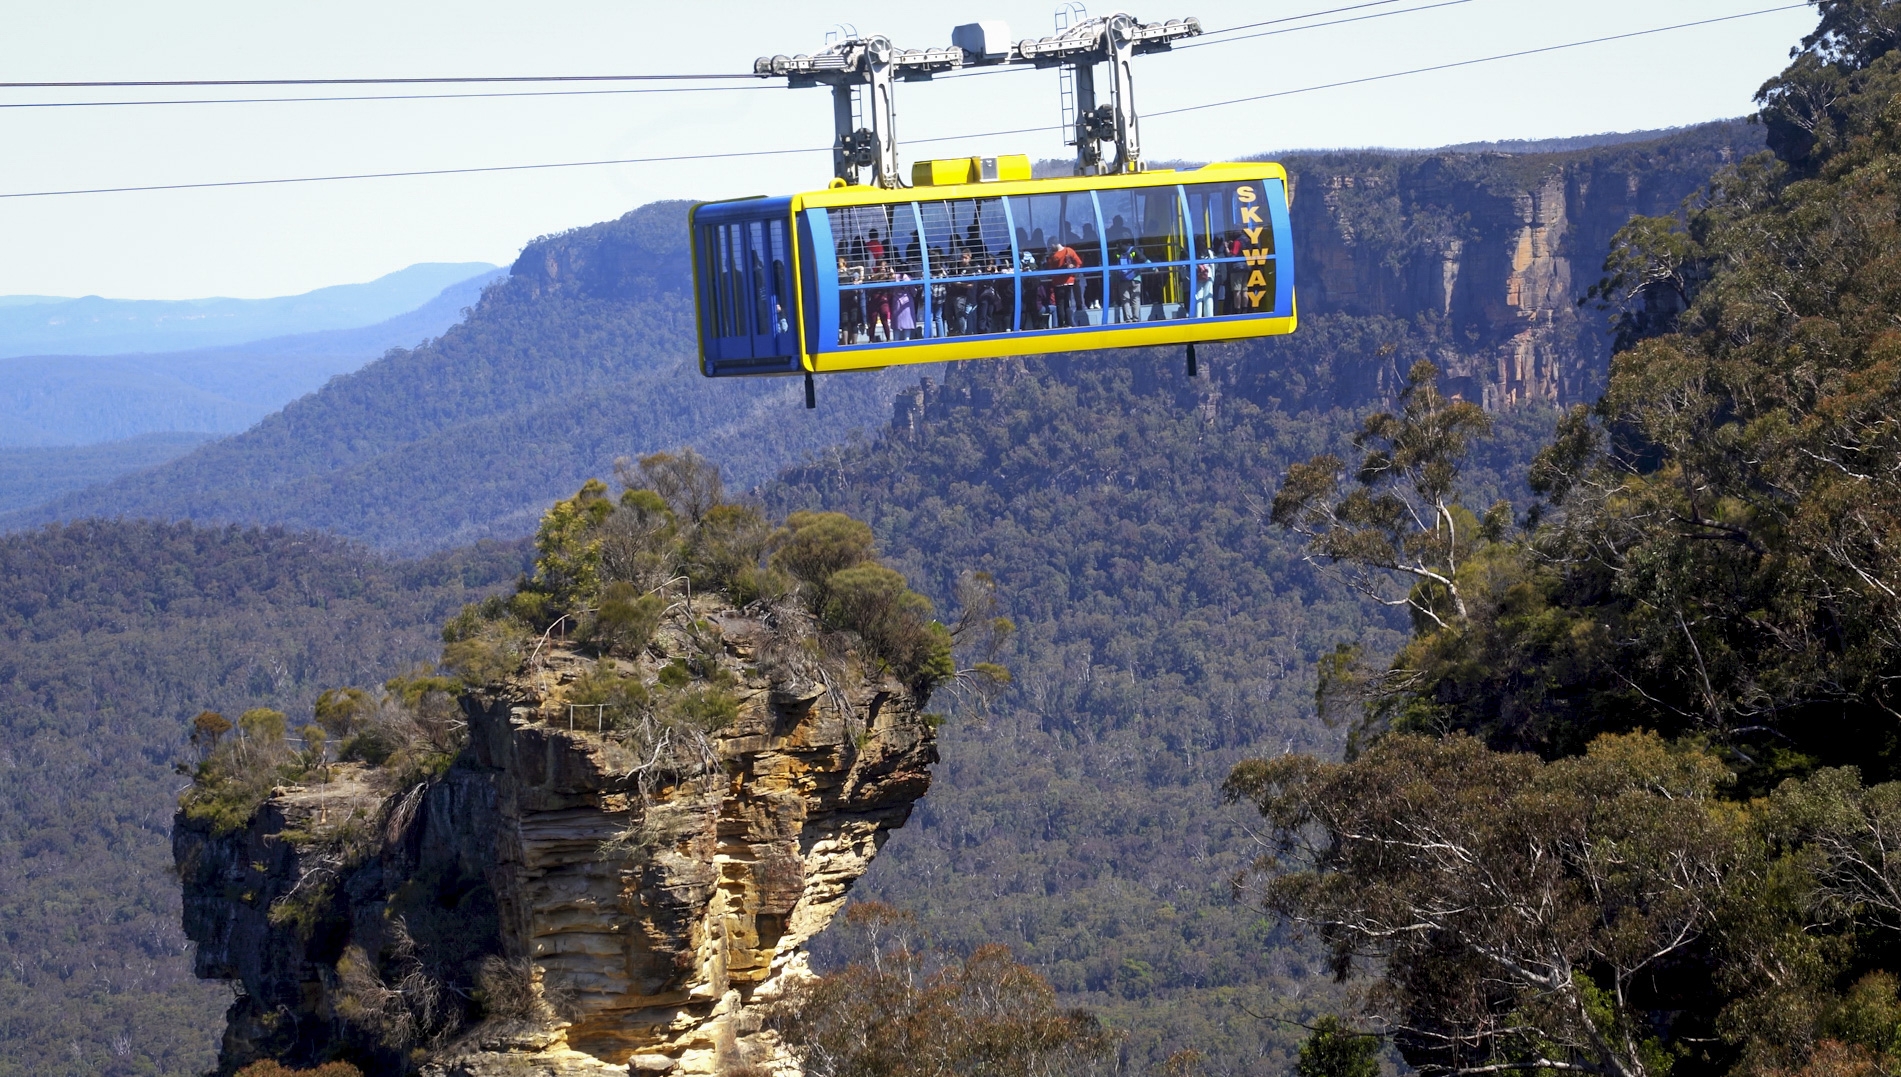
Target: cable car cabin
857,278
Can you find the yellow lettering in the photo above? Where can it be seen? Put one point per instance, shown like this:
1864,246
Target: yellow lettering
1254,299
1256,256
1245,194
1251,215
1257,278
1254,234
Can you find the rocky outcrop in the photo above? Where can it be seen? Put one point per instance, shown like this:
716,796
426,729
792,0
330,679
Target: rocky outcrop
1497,246
561,900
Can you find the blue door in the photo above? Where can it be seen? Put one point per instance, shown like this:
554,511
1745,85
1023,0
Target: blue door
744,277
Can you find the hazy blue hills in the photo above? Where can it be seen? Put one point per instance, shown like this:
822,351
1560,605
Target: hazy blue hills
48,400
30,476
585,353
32,325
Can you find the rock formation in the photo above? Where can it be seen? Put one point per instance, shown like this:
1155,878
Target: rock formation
561,900
1500,246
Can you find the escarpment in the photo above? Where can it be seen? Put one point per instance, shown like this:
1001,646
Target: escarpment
598,837
643,895
1497,247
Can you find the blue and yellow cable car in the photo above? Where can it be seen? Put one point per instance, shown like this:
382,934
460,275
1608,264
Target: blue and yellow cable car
977,260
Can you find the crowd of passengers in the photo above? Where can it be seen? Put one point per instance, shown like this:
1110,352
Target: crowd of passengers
1058,290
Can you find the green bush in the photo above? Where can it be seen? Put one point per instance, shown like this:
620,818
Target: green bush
726,550
815,546
622,697
893,621
268,1068
626,620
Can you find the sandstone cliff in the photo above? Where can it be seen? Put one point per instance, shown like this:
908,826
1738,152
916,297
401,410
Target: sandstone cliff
561,900
1499,247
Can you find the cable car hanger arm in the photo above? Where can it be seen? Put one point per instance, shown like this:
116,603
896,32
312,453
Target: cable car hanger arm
869,153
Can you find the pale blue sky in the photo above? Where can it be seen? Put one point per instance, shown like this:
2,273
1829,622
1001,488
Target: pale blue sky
261,241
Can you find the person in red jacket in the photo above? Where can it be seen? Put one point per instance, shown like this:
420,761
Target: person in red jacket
1068,289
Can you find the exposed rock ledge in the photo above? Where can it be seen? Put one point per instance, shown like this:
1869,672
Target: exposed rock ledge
652,924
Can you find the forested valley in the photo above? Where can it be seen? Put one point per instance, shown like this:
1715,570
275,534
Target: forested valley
1363,594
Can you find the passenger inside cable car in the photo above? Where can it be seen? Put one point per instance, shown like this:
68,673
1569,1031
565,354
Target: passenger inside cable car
980,266
854,279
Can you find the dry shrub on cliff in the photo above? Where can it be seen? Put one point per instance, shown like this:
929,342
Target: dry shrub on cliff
506,989
268,1068
402,1003
893,1017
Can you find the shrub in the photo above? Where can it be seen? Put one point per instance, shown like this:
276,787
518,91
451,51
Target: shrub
893,621
506,988
262,725
726,551
626,619
814,546
638,541
623,699
340,711
268,1068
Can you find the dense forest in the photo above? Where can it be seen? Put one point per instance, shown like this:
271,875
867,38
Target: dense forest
1705,563
1165,631
112,635
1625,801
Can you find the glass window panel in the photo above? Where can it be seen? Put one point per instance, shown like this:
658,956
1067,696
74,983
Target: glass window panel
879,239
735,281
966,236
890,312
710,279
1234,228
781,288
1047,221
758,254
1147,219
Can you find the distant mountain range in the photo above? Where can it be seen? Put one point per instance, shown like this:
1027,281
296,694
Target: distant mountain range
48,400
51,325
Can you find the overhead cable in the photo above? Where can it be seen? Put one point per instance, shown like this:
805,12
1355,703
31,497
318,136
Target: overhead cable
417,172
369,82
973,72
941,138
126,83
1203,42
1480,60
385,97
1297,18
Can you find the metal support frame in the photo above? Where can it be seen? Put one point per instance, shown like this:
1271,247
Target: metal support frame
870,66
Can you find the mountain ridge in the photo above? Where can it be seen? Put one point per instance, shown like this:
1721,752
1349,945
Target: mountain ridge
95,325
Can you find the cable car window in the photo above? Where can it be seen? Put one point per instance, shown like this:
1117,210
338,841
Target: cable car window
878,249
781,285
1234,237
971,267
761,281
1059,244
709,278
734,255
1144,232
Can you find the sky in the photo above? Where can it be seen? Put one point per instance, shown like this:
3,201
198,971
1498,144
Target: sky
283,239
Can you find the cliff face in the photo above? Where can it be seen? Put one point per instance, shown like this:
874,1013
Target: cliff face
559,901
1500,246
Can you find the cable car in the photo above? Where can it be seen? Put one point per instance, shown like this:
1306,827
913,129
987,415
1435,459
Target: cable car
977,260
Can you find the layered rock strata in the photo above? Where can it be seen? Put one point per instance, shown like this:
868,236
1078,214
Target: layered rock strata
646,895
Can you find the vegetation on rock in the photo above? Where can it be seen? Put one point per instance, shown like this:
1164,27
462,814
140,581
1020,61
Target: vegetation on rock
1625,802
910,1012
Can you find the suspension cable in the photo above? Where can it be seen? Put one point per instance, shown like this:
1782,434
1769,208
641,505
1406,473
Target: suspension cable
941,138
